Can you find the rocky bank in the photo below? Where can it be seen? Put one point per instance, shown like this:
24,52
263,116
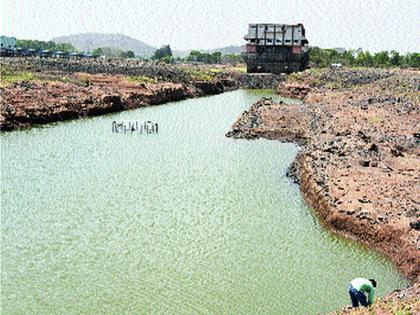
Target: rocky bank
359,166
59,89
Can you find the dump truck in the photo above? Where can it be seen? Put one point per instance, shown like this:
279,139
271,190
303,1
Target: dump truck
275,48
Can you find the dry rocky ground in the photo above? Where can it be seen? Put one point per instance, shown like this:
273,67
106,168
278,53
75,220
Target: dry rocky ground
359,167
36,102
40,91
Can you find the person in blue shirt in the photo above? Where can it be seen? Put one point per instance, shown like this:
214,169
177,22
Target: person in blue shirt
357,290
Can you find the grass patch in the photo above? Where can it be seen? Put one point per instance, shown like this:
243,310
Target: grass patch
56,78
9,75
84,78
294,77
141,79
316,72
333,85
375,119
240,69
201,75
215,70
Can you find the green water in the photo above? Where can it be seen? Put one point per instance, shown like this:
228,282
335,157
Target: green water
183,222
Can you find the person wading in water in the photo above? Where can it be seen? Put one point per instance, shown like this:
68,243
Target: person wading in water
357,289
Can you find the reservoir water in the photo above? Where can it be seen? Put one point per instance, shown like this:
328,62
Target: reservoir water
185,221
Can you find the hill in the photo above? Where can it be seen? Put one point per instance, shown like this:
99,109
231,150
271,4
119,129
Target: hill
90,41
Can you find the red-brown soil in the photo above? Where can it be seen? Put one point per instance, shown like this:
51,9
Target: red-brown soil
27,103
39,102
39,91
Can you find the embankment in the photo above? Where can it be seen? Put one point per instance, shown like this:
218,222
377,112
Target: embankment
359,164
41,91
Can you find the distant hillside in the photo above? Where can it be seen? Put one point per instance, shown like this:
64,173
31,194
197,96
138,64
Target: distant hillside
230,50
90,41
236,50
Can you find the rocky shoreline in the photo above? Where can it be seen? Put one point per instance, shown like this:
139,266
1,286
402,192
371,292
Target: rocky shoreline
359,164
69,89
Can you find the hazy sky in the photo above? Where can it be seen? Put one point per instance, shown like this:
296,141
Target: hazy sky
370,24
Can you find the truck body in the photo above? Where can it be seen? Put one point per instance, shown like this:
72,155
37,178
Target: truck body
275,48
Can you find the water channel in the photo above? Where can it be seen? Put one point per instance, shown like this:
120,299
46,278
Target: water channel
185,221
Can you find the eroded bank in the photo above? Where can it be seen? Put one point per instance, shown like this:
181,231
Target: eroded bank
359,167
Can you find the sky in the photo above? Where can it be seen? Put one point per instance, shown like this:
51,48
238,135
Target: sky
372,25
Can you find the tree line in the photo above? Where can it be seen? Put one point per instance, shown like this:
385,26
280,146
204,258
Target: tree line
325,57
42,45
67,47
165,54
318,57
113,52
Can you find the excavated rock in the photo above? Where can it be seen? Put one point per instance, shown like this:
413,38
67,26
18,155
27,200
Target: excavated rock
70,89
359,167
25,104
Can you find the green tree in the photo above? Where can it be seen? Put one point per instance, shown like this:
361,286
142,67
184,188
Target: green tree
113,52
106,51
323,57
125,54
348,58
381,59
130,54
98,51
167,59
232,59
205,57
193,56
164,51
216,57
395,58
412,60
364,58
315,55
42,45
